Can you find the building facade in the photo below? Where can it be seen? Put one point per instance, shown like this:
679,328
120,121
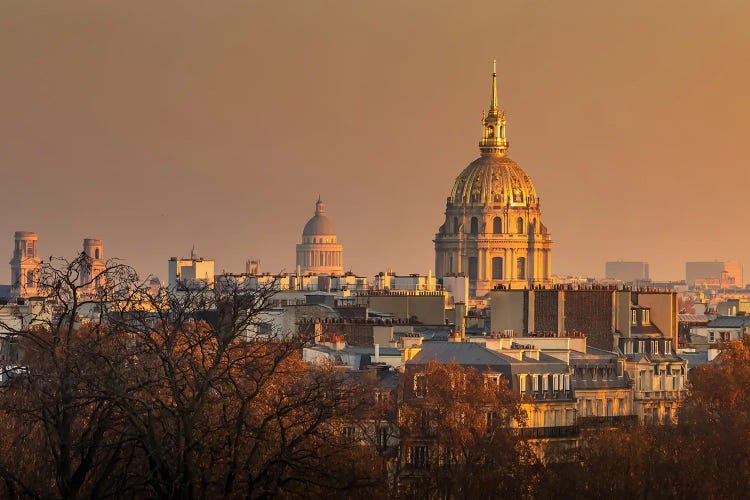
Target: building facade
193,272
493,230
319,251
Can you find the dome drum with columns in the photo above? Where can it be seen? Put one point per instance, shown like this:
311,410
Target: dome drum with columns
319,252
493,231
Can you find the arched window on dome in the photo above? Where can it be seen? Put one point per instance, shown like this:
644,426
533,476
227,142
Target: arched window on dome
519,225
521,268
474,225
497,225
455,224
497,268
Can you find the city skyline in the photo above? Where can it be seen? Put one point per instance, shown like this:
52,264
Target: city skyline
156,130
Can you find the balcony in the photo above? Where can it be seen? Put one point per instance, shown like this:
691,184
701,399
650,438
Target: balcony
559,395
611,421
671,395
548,432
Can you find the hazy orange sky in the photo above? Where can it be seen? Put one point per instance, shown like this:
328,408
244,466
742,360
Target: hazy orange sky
158,124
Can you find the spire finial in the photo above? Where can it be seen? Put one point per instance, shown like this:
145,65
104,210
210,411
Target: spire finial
493,106
319,206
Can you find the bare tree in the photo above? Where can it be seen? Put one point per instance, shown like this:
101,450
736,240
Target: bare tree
131,393
61,437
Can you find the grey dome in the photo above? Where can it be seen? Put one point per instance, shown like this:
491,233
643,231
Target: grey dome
319,225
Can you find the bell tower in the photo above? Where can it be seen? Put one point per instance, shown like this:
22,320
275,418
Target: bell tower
95,263
24,266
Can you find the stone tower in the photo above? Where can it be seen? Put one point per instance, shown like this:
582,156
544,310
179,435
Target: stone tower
24,265
94,251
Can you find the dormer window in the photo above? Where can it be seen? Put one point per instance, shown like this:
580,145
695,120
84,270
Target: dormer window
634,317
646,317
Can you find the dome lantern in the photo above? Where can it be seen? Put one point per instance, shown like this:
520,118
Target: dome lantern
493,140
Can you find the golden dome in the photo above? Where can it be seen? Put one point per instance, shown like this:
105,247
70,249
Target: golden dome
494,179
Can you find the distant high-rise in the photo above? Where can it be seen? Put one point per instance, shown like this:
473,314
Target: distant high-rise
627,271
716,274
24,264
319,251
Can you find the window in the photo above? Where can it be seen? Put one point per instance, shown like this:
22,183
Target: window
420,385
521,268
494,379
497,225
473,268
30,278
474,225
455,224
667,346
654,347
418,456
519,225
383,437
497,268
642,346
646,317
30,249
264,328
634,317
711,336
96,253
